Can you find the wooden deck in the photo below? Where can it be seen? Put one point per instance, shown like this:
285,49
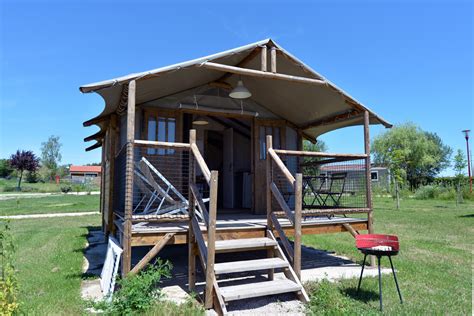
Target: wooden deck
239,226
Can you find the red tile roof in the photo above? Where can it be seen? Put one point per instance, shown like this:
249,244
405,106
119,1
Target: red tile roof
91,169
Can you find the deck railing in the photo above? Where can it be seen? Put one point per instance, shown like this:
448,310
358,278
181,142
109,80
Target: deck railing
302,185
197,245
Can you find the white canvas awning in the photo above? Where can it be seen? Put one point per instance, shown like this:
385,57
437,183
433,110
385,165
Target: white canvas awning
314,108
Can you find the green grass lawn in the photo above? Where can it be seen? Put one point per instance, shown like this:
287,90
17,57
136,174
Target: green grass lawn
9,186
50,204
49,261
434,265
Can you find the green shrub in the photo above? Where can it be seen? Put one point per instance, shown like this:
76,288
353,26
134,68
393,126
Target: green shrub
66,188
32,177
427,192
8,283
136,293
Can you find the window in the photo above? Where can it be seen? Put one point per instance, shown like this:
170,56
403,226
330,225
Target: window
374,175
264,131
162,129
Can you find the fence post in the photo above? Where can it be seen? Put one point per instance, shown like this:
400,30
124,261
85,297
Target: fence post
211,239
127,227
191,206
298,210
269,145
368,181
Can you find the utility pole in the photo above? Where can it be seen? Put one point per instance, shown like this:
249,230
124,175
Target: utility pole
466,135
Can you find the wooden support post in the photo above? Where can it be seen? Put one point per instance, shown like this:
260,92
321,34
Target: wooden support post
152,253
111,153
191,239
263,59
127,226
269,145
298,210
211,239
368,182
273,59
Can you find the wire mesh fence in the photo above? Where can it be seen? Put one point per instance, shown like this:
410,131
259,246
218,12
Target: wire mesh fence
328,183
161,181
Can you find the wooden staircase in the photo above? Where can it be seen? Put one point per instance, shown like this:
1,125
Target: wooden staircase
203,219
251,288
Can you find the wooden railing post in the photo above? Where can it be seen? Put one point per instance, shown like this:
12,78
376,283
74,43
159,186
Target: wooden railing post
191,241
211,239
268,158
368,181
298,210
127,227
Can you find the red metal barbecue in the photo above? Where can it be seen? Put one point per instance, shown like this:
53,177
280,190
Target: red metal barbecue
379,245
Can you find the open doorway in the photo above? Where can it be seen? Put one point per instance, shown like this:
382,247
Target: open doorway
226,147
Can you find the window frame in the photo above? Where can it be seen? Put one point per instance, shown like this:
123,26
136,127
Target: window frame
161,116
376,172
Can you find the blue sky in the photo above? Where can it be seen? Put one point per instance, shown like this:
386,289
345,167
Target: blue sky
406,60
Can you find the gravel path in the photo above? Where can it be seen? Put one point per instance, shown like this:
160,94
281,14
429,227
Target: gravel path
7,196
48,215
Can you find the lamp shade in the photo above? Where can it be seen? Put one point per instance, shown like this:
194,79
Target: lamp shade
240,91
200,120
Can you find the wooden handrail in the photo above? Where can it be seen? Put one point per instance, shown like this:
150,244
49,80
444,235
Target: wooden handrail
318,154
201,163
197,195
284,240
282,166
279,197
159,144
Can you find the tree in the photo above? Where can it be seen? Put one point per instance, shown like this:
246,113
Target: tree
460,164
24,161
51,155
412,155
5,168
309,167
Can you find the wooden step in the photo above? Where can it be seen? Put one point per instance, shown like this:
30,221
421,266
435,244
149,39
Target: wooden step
242,291
249,265
234,245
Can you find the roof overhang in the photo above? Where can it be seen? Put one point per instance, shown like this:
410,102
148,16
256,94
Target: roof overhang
312,108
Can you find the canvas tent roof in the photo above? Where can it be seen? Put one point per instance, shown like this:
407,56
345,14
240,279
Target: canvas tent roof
312,108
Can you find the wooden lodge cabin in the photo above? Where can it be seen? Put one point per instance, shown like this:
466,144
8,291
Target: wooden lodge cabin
190,158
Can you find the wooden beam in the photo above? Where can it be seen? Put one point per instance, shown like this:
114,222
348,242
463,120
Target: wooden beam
211,239
368,181
350,229
96,145
201,163
282,166
96,120
281,200
263,58
129,166
111,190
192,241
297,224
341,117
260,74
242,63
158,144
152,253
318,154
284,240
269,145
99,134
273,59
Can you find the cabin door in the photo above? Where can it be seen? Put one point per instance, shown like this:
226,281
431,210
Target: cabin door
228,168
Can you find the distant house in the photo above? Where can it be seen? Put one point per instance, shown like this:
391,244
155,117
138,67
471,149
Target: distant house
82,174
379,175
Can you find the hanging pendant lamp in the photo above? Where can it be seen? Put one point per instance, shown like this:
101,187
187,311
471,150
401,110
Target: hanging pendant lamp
240,91
200,120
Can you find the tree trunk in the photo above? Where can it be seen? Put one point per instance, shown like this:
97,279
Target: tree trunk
19,181
397,195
